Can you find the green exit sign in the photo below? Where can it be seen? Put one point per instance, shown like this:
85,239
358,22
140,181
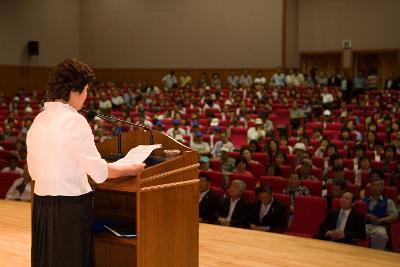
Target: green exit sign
346,44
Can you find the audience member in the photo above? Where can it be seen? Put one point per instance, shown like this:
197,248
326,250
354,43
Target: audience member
295,189
233,209
227,162
256,132
268,214
208,200
176,132
381,212
241,167
21,188
170,80
202,147
223,142
344,225
12,165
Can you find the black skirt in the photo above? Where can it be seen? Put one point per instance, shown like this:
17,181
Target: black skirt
62,231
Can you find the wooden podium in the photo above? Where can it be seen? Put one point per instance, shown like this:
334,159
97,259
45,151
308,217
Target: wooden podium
163,200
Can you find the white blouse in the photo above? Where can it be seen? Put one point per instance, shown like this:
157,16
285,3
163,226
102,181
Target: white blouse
62,152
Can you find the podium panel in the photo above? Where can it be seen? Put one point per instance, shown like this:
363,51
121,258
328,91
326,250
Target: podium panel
162,199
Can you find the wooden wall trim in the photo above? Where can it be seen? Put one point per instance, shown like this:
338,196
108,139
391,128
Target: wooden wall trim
14,77
283,33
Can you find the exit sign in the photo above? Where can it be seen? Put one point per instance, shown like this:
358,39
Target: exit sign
346,44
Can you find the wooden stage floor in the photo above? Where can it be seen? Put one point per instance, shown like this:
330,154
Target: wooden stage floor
219,246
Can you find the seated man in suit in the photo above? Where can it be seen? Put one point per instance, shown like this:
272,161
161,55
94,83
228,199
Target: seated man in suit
268,213
233,210
208,201
381,211
343,225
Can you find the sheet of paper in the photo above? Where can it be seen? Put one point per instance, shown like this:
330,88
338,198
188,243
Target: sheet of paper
137,155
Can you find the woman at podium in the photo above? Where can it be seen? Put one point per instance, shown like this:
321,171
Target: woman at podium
61,153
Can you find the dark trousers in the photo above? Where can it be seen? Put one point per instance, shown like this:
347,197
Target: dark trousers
62,231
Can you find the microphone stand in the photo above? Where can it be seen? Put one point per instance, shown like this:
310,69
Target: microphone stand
113,120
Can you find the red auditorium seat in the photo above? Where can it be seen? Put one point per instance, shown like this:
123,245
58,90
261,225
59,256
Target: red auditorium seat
235,154
392,166
285,199
318,162
348,163
3,163
217,190
377,165
315,187
217,178
291,160
256,169
318,173
4,154
394,229
8,145
338,143
238,137
309,214
6,180
282,119
261,157
276,182
286,170
215,165
250,196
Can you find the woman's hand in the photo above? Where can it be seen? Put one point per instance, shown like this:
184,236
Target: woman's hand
115,171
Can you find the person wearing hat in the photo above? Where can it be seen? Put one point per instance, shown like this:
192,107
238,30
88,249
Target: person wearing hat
158,125
204,163
223,142
203,148
299,149
176,132
214,122
381,211
256,132
227,162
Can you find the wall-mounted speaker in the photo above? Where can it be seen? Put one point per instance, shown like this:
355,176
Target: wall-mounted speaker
33,48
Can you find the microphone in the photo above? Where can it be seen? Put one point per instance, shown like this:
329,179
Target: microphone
92,113
149,161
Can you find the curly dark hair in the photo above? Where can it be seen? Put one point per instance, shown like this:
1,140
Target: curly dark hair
71,75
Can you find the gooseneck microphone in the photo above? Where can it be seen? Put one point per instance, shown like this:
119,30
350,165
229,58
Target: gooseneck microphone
151,160
114,121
